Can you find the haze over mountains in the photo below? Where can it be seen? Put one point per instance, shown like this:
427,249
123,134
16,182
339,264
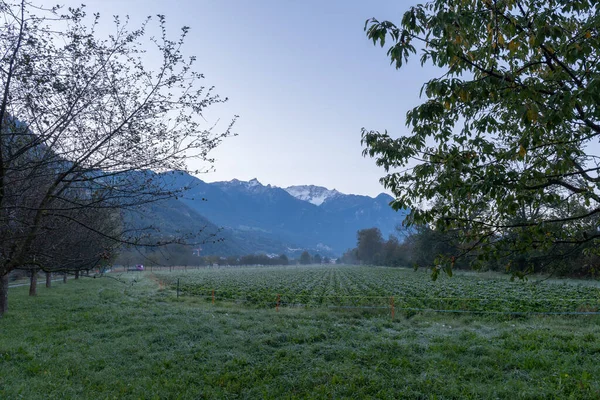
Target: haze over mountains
264,218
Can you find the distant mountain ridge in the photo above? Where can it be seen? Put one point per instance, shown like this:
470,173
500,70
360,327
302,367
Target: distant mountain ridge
286,220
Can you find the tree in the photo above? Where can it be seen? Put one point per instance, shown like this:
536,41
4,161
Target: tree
68,246
283,259
369,246
426,247
349,257
511,122
392,254
232,260
317,258
85,125
305,258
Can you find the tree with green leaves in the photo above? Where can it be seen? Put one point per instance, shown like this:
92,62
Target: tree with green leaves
305,258
283,259
513,121
392,253
349,257
369,246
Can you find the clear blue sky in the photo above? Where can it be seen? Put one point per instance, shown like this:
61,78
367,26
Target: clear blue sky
302,77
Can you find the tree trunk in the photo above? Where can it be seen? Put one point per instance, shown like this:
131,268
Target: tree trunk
48,279
3,294
65,277
33,283
77,274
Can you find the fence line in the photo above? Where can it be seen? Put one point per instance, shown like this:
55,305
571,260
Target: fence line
392,307
396,296
584,299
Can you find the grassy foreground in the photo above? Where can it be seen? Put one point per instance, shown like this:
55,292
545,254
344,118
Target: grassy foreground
99,338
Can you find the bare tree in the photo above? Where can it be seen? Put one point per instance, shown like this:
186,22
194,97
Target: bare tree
74,242
86,125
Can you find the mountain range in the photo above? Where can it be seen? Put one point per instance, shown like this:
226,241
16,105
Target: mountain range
251,217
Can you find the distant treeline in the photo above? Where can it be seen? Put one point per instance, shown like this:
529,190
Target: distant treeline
421,247
425,248
182,255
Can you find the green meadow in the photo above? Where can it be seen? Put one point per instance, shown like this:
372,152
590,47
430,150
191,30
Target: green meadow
132,337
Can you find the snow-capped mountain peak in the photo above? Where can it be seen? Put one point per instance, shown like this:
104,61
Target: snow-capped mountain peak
253,182
313,194
237,183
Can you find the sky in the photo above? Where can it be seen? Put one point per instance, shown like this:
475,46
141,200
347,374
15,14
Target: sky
303,78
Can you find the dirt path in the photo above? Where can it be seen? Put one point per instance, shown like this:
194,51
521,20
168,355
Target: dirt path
160,283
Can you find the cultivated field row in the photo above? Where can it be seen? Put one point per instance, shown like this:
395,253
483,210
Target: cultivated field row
362,286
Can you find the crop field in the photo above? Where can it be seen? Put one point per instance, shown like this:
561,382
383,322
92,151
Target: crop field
131,338
378,287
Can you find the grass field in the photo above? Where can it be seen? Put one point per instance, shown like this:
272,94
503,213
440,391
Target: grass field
100,338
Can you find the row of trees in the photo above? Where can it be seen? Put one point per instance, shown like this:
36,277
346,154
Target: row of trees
306,258
372,249
425,247
182,255
82,121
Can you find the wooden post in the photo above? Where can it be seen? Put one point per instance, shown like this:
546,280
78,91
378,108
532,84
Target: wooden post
392,305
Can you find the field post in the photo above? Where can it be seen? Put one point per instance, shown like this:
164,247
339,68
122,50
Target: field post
177,287
392,305
278,301
213,296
